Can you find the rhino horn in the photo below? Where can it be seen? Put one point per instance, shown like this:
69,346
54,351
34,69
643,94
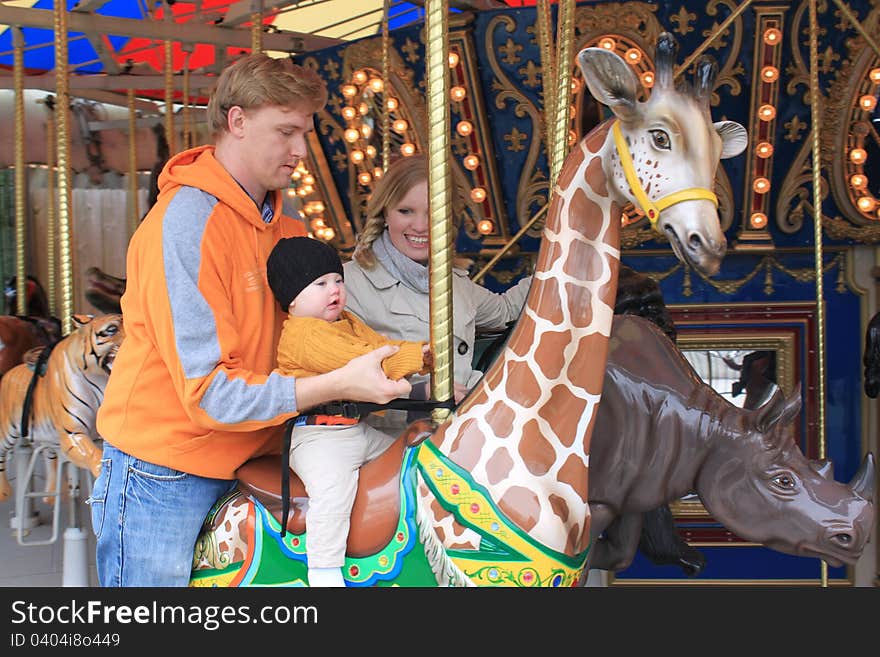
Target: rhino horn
778,409
863,481
824,467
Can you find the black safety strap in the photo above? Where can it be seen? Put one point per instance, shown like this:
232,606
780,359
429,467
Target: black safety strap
39,372
346,409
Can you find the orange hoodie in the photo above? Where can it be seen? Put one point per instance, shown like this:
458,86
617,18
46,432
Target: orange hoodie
193,387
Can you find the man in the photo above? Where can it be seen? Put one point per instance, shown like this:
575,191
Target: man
193,394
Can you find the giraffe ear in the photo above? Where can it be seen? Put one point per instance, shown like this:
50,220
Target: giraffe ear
734,138
611,80
82,319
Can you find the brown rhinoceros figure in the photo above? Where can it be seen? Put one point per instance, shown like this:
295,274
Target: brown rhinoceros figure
661,433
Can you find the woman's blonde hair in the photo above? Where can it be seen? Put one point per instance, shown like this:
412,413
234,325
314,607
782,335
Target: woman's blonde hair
256,80
401,176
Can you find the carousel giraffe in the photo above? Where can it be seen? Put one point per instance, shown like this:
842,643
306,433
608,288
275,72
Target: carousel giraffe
502,484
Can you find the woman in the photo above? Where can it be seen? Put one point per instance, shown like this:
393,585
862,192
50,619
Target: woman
387,281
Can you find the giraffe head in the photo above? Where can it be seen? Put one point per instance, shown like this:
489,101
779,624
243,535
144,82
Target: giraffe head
670,146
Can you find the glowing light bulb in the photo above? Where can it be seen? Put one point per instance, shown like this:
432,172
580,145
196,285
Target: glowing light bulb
351,135
764,150
329,234
464,128
318,224
868,102
377,172
364,109
392,104
349,90
485,226
457,94
866,203
471,162
761,185
348,112
858,155
359,77
407,149
633,56
772,36
874,75
648,79
478,194
453,59
766,112
366,130
608,43
357,156
371,150
365,178
769,74
858,181
400,125
377,85
758,220
309,180
291,192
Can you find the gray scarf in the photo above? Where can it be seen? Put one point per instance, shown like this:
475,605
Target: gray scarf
409,272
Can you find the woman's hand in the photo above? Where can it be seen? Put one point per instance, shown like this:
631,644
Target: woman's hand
427,356
459,392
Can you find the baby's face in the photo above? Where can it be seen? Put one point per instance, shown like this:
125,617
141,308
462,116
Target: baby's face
324,298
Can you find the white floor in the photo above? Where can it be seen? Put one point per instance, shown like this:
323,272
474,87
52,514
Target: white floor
43,565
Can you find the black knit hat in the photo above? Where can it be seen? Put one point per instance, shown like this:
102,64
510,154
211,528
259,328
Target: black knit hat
295,263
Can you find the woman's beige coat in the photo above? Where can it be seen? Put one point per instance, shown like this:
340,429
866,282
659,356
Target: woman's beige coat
399,312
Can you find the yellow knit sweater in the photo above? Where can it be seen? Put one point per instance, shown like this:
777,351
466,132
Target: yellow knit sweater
310,346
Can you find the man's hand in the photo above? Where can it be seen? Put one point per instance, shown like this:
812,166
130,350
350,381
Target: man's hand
363,379
427,356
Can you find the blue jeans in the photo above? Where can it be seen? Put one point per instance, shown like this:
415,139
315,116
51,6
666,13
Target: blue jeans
146,519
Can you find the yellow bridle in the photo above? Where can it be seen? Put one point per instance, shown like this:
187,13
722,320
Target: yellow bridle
652,209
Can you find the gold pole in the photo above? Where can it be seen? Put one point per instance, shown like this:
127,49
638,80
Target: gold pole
548,74
513,240
386,76
815,118
51,252
855,22
63,138
714,35
440,270
562,117
257,26
169,96
20,177
133,210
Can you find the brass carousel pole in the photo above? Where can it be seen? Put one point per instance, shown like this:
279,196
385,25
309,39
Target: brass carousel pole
548,70
440,270
51,219
63,137
133,210
386,75
562,117
815,119
256,26
709,39
20,177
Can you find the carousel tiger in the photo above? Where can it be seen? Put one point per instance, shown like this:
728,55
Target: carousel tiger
66,398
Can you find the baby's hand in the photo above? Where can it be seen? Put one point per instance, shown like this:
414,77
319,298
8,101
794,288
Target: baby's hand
427,356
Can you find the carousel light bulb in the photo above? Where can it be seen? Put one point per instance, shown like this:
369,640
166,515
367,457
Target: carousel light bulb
366,130
349,90
329,234
377,173
608,43
359,77
319,233
392,104
766,112
633,56
364,109
365,178
318,223
296,175
302,191
314,207
648,79
769,74
357,156
309,180
291,192
371,151
868,102
478,194
407,149
457,93
471,162
453,59
307,189
764,150
485,226
772,36
572,137
351,135
866,203
874,75
858,155
349,112
400,125
858,181
377,85
575,85
758,220
464,128
761,185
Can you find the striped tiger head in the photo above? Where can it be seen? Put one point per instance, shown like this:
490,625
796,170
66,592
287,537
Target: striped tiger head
103,335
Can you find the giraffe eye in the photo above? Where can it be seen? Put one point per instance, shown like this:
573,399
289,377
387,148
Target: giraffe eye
661,139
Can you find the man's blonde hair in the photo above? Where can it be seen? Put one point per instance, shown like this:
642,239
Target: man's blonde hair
256,80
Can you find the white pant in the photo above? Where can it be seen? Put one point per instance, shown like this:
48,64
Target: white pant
327,459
